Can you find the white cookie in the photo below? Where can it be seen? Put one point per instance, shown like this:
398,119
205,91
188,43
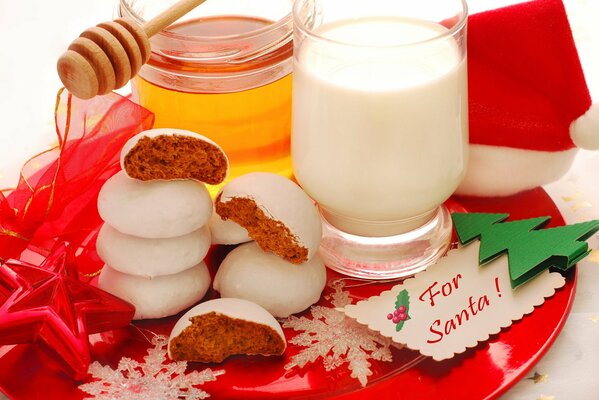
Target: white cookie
227,232
236,309
161,296
152,257
154,209
277,213
277,285
168,153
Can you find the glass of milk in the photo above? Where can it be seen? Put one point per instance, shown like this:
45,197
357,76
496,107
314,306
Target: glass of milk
380,127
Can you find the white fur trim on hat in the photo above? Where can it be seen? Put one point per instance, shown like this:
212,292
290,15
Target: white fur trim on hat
503,171
585,129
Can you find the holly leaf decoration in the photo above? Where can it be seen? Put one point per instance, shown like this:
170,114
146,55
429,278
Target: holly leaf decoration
402,299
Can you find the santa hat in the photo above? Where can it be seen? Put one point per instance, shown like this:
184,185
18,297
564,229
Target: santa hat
529,104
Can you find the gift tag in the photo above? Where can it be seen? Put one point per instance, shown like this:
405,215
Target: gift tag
457,303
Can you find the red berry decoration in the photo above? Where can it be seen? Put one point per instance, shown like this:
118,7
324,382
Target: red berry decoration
389,316
402,307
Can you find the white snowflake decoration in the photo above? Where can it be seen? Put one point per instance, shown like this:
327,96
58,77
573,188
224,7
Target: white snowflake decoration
337,339
151,380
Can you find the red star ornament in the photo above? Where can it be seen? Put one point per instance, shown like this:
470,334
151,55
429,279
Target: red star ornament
50,304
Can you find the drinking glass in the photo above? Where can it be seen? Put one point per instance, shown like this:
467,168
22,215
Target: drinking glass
380,127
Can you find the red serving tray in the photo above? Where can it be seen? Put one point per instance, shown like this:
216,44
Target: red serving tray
485,372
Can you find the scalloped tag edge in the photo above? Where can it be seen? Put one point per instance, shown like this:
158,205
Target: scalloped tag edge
453,305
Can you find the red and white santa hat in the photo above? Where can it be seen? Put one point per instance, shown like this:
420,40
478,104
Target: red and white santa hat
529,104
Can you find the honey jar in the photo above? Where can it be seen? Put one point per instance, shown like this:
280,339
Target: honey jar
223,71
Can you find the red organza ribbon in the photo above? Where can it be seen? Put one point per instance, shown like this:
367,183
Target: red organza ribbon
55,199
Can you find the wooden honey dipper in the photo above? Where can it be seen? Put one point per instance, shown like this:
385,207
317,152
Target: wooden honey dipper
107,56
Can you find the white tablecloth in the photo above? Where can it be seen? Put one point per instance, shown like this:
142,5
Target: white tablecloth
35,32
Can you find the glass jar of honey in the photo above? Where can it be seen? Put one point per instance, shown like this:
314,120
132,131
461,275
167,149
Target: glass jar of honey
223,71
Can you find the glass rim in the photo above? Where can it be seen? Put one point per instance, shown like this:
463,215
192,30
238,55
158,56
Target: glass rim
297,23
125,4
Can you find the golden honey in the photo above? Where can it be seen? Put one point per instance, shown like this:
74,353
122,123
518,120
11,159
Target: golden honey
252,126
227,77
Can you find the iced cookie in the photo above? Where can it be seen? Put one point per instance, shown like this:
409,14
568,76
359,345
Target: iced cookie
158,297
174,154
217,329
152,257
227,232
154,209
277,213
280,287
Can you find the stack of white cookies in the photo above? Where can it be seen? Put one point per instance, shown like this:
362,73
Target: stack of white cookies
281,269
156,211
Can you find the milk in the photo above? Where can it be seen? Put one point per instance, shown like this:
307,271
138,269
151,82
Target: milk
380,131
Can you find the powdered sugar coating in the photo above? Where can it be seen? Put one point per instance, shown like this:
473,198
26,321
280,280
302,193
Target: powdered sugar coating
282,200
149,258
158,297
154,209
280,287
232,308
227,232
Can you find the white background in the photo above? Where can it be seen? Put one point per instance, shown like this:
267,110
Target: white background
33,33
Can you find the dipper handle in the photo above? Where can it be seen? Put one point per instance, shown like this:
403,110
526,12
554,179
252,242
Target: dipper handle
170,15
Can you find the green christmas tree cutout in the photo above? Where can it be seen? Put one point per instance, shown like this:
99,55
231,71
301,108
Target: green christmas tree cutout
530,249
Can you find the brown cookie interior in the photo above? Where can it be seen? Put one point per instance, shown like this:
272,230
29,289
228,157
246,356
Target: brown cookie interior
271,235
213,337
176,157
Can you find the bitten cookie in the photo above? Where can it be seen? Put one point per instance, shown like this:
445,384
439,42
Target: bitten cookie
174,154
154,209
227,232
158,297
265,279
277,213
149,258
217,329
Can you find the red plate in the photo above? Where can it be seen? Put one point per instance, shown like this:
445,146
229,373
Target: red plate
28,372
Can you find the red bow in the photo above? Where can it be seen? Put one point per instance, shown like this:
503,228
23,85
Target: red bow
55,200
